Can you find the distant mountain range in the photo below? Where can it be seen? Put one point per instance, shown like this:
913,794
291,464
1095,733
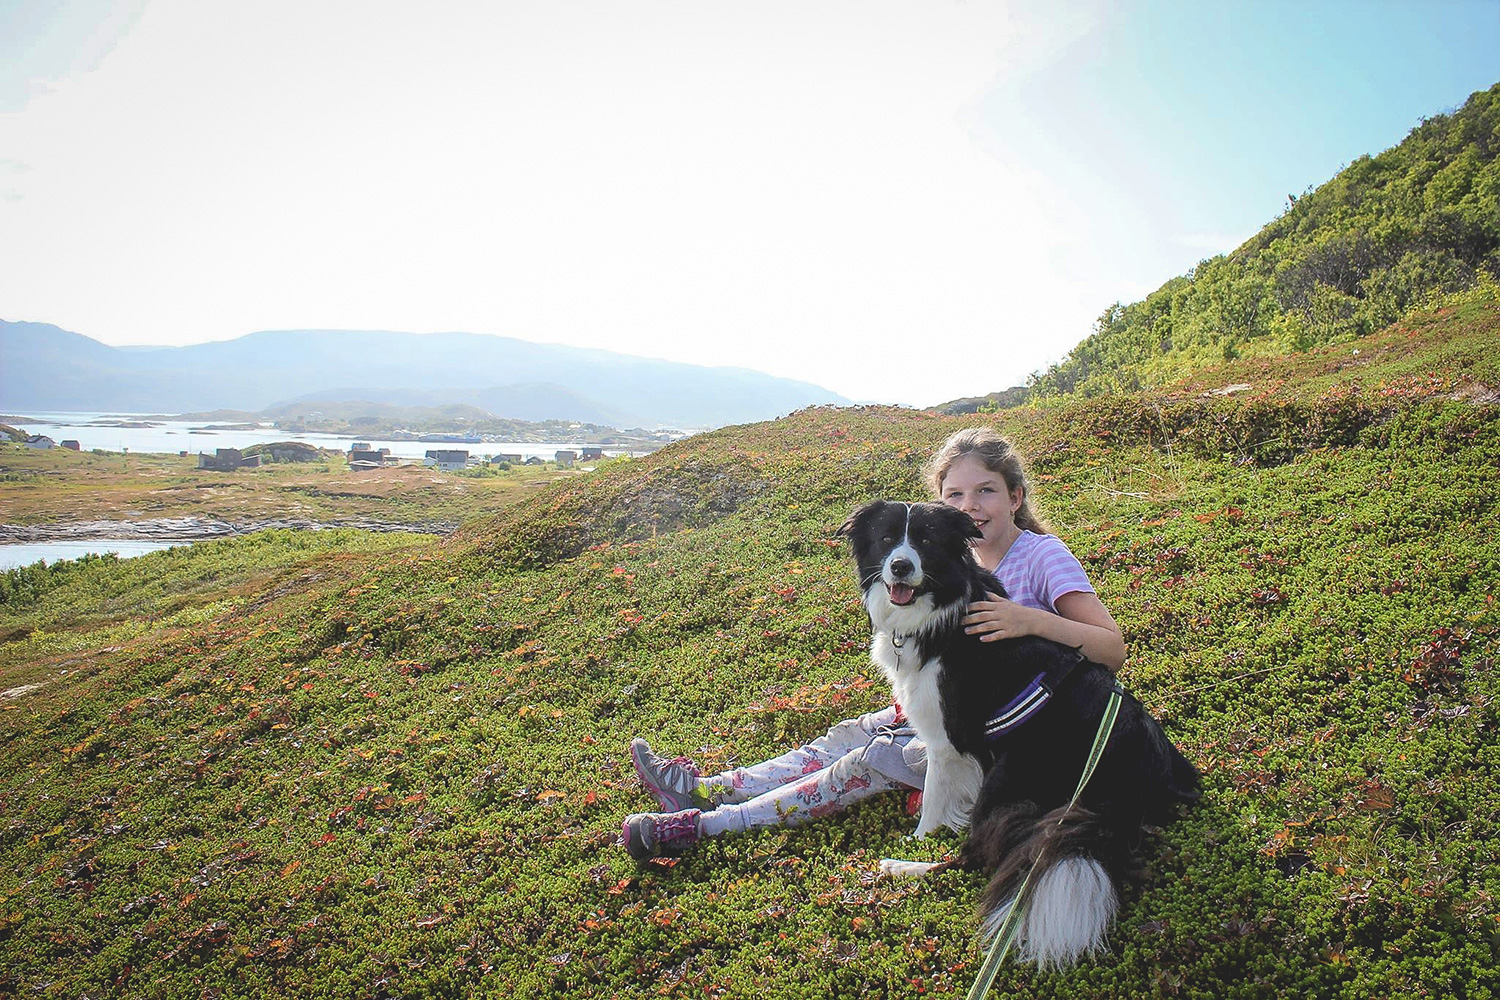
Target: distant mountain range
43,367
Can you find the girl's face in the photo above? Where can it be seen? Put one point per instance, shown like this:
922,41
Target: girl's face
982,494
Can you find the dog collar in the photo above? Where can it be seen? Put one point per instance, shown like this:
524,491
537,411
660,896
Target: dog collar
898,647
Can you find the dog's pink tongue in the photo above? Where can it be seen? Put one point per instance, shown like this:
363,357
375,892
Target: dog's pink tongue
902,594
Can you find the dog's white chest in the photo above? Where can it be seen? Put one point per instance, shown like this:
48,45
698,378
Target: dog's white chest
916,688
951,786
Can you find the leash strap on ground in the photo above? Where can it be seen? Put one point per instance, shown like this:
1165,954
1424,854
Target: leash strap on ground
1010,927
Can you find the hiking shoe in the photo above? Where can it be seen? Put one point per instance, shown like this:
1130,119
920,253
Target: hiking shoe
654,835
673,782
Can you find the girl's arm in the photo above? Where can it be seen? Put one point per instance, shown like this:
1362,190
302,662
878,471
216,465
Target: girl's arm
1082,620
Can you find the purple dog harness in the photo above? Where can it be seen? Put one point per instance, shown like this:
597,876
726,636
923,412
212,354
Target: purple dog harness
1033,698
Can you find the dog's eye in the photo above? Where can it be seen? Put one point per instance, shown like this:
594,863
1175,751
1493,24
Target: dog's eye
887,538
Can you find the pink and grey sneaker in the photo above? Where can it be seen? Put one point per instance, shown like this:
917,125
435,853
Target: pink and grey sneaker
654,835
674,782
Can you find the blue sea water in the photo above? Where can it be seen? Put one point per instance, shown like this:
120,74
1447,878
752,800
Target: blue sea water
16,554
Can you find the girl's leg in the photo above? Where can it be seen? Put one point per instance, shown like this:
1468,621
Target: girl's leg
878,765
743,784
887,760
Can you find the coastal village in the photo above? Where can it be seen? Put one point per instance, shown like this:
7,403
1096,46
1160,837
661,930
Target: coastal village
42,442
138,495
364,458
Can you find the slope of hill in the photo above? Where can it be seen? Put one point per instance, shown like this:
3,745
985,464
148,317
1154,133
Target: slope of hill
401,773
50,369
528,401
1386,235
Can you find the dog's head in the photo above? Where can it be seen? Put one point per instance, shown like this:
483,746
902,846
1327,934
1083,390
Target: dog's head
906,552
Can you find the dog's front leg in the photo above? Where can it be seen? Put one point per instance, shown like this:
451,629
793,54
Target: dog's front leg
928,821
949,791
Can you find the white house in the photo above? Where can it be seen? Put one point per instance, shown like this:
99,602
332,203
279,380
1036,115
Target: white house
446,460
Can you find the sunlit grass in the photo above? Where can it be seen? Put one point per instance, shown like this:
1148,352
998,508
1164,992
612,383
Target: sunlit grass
379,766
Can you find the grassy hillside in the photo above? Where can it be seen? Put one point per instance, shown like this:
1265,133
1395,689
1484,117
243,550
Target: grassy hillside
1389,234
397,768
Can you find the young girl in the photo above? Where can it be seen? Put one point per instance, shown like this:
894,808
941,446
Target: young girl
1048,594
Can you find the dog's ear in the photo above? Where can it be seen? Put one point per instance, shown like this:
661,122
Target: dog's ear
859,517
963,524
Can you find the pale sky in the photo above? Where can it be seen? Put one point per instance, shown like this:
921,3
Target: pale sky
902,202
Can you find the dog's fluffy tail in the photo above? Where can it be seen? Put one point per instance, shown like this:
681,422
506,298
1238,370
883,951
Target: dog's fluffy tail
1072,898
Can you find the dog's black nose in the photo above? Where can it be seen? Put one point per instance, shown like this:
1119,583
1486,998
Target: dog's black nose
901,568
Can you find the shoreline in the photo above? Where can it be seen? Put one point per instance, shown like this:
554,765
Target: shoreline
197,529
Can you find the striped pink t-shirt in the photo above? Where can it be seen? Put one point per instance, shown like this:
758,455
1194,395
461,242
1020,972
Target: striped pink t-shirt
1038,569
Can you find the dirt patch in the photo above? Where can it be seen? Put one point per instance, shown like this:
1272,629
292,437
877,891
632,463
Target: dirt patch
1477,393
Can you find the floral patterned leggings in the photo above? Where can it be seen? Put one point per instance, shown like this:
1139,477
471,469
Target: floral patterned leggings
855,759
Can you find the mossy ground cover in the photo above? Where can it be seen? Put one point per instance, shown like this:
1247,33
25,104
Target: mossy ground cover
76,597
45,487
405,778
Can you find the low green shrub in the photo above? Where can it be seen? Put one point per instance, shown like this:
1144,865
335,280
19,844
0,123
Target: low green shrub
330,766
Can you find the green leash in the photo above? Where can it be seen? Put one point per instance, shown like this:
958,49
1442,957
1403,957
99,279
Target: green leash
1010,927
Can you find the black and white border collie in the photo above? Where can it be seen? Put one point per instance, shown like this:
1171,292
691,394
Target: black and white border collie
1008,726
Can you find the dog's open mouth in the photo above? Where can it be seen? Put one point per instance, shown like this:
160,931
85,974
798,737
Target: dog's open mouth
902,594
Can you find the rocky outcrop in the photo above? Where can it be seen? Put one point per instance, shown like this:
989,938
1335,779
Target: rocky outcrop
286,451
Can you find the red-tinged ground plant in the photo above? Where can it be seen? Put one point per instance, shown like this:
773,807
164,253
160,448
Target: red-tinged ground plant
400,772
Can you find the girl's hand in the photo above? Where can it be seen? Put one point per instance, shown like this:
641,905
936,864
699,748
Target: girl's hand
997,618
1081,622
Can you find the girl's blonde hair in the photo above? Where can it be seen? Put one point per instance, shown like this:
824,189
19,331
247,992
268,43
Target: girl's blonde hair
998,456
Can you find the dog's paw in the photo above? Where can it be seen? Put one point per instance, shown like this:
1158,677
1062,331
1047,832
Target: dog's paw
896,868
